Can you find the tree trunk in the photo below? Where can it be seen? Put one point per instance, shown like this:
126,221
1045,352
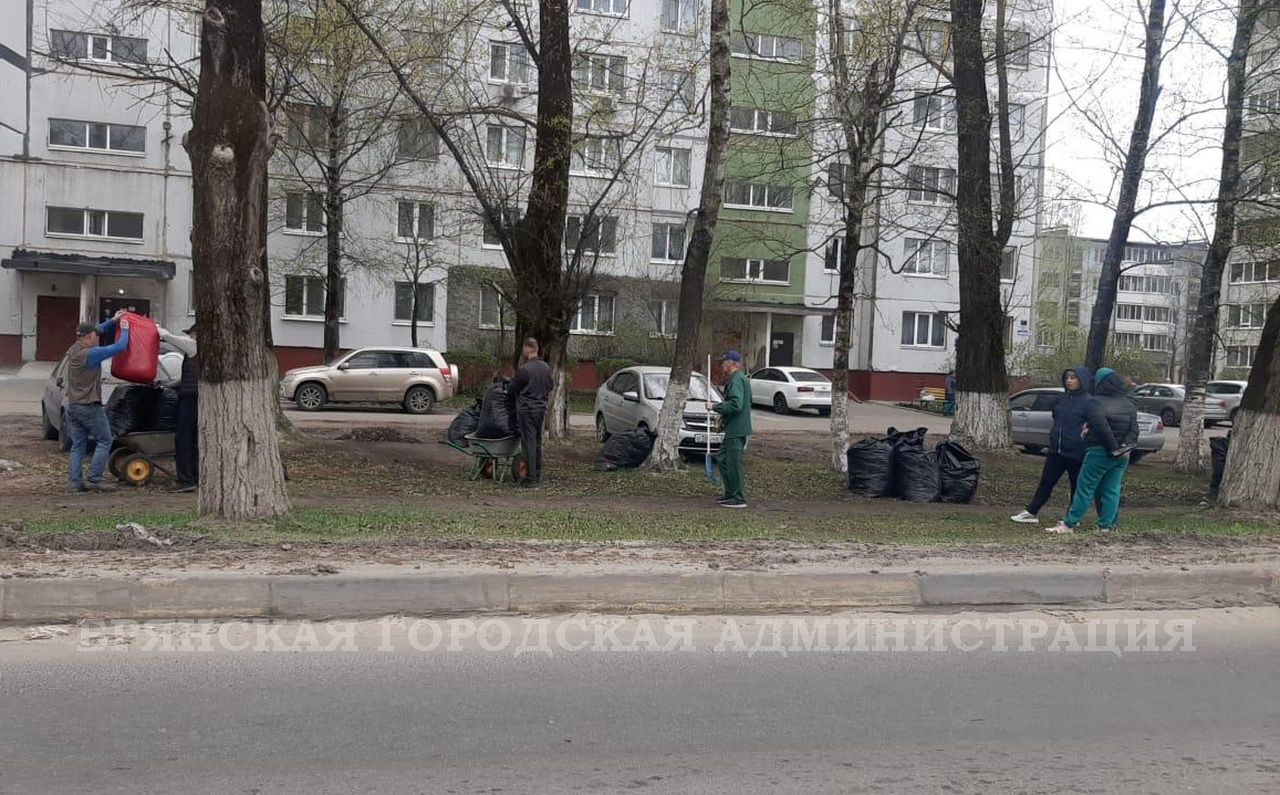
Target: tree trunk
413,316
333,209
1135,163
1252,477
229,146
982,387
1205,323
693,273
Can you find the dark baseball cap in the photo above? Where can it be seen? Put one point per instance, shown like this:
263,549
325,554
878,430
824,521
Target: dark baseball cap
85,328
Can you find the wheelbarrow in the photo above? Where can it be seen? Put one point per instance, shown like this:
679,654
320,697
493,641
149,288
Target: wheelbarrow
498,459
136,456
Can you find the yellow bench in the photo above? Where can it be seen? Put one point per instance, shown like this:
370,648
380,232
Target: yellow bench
931,393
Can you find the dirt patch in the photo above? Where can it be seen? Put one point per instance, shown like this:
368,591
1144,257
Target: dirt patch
378,434
125,537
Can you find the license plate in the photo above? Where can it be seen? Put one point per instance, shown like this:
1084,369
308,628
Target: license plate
701,438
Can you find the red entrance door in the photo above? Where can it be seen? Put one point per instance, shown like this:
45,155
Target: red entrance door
56,319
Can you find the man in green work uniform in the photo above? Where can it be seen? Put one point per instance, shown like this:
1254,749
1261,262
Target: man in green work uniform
735,411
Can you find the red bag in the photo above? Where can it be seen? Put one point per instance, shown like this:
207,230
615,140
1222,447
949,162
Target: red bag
139,359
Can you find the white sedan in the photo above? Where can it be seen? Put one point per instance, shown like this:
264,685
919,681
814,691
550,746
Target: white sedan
788,388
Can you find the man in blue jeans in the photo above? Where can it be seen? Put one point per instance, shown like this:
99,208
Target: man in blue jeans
85,414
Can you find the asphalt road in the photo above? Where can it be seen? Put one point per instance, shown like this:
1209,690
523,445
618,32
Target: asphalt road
699,721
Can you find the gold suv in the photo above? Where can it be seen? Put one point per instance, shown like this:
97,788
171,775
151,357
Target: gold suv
416,378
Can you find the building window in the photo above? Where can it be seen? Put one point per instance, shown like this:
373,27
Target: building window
679,16
834,255
839,175
665,315
72,46
930,185
505,146
426,302
97,136
1246,315
1017,121
304,296
1265,102
1128,312
755,271
756,45
1157,314
672,167
304,212
596,236
593,154
756,196
828,334
416,140
508,63
1255,272
924,330
1017,47
415,220
306,126
1130,340
94,223
926,257
1155,342
494,312
615,8
932,39
677,89
758,121
668,244
1156,285
1009,264
600,74
935,112
1241,355
594,315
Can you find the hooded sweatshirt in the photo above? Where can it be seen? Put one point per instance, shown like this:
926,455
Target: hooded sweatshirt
1070,416
1113,413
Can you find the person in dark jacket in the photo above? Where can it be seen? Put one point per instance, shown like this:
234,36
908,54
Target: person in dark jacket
949,393
1112,434
527,398
1066,441
187,439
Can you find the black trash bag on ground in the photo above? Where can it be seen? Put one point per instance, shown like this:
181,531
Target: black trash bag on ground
871,467
166,418
1218,447
496,421
625,451
915,470
467,421
959,470
133,408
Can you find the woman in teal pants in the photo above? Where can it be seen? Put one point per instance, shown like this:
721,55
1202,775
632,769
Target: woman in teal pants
1112,431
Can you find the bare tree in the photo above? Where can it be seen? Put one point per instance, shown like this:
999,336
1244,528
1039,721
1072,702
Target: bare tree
1252,477
230,143
693,273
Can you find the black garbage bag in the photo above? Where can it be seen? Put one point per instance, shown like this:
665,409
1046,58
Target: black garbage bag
959,471
166,418
625,450
496,421
871,467
133,408
1218,447
467,421
915,470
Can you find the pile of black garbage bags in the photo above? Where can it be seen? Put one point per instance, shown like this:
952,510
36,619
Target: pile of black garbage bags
488,418
898,465
625,450
138,408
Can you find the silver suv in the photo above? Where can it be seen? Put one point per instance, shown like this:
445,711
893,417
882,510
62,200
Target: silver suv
1229,392
633,398
415,378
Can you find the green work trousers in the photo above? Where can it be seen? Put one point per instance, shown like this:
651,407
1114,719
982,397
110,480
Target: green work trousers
731,471
1101,475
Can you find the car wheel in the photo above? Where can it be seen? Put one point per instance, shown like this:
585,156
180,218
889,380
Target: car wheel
824,412
1033,449
311,397
50,432
602,434
419,400
780,403
64,434
1136,455
1168,417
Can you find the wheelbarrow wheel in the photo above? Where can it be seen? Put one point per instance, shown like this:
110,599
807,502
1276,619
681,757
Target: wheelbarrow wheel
137,470
115,464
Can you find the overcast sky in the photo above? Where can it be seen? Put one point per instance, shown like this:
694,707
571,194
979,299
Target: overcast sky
1098,63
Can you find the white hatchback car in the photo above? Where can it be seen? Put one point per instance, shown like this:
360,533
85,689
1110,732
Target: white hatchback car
787,388
632,399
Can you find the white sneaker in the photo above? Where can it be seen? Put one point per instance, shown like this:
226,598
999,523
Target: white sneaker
1061,527
1023,517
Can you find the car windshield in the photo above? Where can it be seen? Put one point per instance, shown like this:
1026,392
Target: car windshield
808,377
655,386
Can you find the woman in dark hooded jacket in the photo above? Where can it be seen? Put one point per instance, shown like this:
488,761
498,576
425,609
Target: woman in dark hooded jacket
1066,441
1113,432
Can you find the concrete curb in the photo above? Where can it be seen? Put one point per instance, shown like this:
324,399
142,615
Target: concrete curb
352,595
